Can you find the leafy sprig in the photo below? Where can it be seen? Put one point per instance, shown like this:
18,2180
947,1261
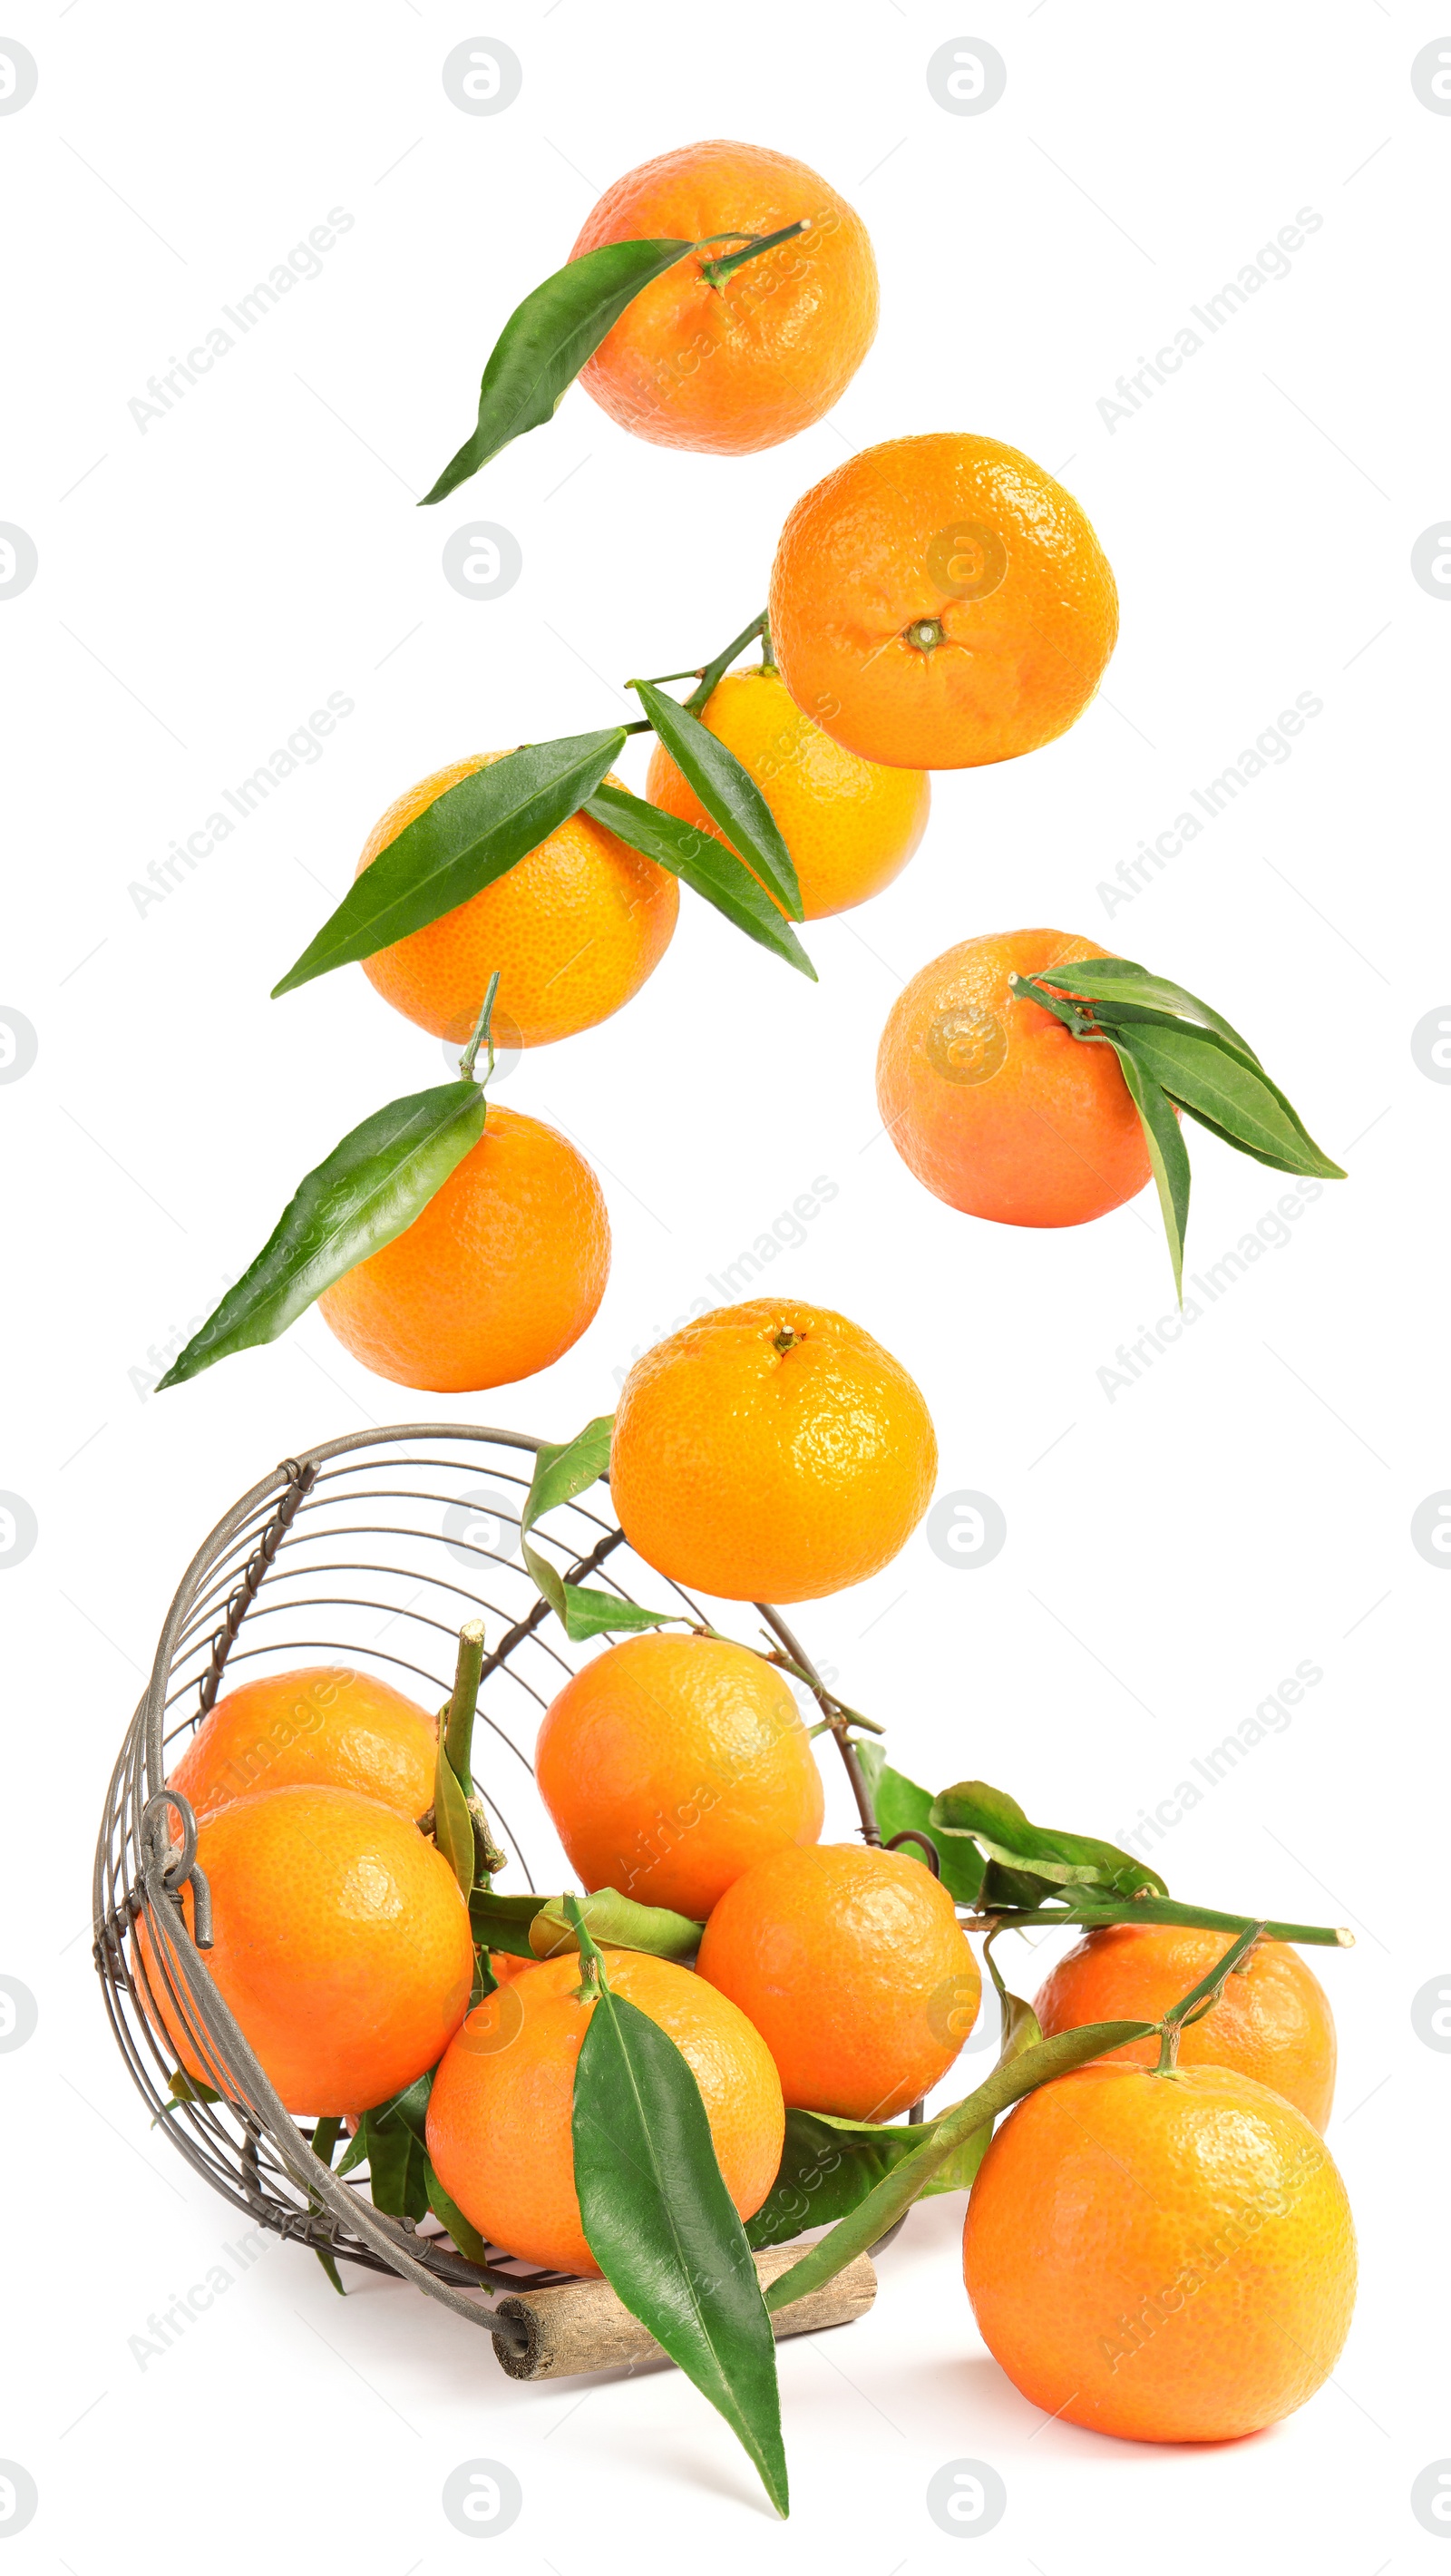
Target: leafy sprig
474,832
560,324
1177,1054
369,1190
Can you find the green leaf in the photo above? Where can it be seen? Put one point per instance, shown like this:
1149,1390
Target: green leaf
466,2237
1000,1829
391,2138
908,2179
502,1922
546,341
329,2265
1168,1153
453,1824
563,1469
828,2166
898,1804
1233,1096
702,863
370,1189
616,1920
184,2088
469,836
1119,981
728,793
1091,1908
663,2229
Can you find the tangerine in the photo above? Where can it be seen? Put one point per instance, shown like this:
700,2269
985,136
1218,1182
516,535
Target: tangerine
853,1967
941,602
340,1942
324,1723
1272,2020
669,1764
500,2113
1169,2258
731,366
990,1100
495,1278
770,1451
573,929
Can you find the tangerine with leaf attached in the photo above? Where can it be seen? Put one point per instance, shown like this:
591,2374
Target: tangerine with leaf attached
572,929
1271,2021
992,1102
500,2112
740,361
494,1279
1168,2258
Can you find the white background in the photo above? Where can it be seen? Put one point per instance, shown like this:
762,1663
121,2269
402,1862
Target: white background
1171,1554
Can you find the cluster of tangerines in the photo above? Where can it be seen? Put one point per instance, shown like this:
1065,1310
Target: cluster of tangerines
794,1977
937,602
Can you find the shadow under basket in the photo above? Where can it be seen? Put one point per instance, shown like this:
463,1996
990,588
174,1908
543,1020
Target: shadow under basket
375,1549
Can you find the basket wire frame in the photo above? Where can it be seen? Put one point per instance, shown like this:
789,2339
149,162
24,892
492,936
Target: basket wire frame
372,1548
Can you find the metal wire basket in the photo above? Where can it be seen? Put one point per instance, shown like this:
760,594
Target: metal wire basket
372,1548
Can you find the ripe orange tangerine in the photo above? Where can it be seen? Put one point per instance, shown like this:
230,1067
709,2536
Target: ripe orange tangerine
573,929
770,1452
499,2115
669,1764
853,1968
325,1723
1169,2258
941,602
993,1104
741,364
341,1943
496,1277
1272,2021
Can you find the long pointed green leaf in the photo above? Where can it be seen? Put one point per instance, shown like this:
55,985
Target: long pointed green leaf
617,1920
453,1825
469,836
563,1469
702,863
1092,1908
1237,1097
1168,1153
465,2236
663,2229
999,1827
829,2165
546,341
1119,980
900,1805
897,2190
728,793
502,1922
370,1189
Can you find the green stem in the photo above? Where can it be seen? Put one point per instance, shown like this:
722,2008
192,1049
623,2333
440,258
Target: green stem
481,1036
768,658
1087,1916
458,1724
715,271
591,1960
325,2137
1203,1997
716,670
